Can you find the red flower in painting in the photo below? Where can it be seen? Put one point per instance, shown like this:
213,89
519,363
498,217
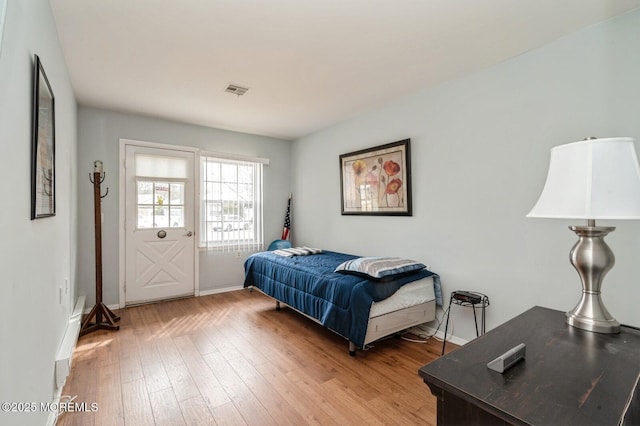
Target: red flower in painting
393,186
391,168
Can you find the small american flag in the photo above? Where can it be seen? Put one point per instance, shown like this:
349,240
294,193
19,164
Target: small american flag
287,221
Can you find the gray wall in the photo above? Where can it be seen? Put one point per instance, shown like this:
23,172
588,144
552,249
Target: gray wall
99,133
480,152
36,257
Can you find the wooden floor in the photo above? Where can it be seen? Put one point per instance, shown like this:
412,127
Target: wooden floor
233,359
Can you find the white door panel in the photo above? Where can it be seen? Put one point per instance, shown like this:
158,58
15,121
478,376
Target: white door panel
160,247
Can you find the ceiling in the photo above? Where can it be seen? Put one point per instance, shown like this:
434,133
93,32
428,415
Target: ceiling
308,64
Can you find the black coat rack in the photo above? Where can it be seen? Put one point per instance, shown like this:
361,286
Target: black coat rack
105,319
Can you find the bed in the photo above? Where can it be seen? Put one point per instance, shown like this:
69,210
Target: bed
357,304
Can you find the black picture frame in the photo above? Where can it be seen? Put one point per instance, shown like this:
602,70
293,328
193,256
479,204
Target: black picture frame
3,14
377,181
43,182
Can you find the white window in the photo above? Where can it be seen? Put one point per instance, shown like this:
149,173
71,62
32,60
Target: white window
160,188
231,204
160,204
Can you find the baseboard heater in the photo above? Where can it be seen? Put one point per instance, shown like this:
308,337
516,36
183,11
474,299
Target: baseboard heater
65,352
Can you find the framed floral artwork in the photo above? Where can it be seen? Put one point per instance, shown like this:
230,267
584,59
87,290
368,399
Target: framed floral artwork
377,181
3,13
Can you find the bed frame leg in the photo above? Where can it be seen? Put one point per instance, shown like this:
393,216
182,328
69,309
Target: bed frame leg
277,305
352,349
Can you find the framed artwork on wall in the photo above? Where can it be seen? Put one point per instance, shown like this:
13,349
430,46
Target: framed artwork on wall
377,181
3,13
43,175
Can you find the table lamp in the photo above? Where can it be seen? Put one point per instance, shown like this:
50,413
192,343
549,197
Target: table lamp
591,179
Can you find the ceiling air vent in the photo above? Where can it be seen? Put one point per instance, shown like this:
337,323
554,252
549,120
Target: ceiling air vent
236,90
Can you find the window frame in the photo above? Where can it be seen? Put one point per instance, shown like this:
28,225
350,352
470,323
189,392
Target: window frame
169,205
230,244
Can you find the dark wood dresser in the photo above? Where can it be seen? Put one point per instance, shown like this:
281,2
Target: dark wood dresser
568,377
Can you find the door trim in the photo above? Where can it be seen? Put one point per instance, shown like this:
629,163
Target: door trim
122,210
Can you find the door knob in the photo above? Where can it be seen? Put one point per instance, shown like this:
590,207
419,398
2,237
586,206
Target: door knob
162,233
189,233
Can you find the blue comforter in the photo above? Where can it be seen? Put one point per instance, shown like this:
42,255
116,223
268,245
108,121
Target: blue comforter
309,284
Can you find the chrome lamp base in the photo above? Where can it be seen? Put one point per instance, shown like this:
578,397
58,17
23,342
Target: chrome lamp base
592,258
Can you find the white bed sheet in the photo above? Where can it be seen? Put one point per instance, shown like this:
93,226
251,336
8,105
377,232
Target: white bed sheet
412,294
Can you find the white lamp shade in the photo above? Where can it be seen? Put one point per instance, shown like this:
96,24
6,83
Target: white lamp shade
591,179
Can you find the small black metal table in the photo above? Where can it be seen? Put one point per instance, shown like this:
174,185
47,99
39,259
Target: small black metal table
470,299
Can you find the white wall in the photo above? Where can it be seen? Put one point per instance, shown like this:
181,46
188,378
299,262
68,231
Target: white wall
35,256
480,152
99,132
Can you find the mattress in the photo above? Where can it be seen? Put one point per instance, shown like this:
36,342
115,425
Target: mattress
411,294
340,302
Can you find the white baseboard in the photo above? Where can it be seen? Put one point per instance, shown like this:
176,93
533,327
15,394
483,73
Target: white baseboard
64,356
68,344
440,335
78,308
53,415
200,293
220,290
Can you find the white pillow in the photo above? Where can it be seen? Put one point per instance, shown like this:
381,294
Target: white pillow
297,251
380,267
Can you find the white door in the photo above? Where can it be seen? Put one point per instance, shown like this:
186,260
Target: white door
159,224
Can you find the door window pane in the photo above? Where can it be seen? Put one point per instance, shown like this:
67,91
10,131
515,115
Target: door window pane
176,215
145,217
161,193
145,193
176,190
161,217
160,204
